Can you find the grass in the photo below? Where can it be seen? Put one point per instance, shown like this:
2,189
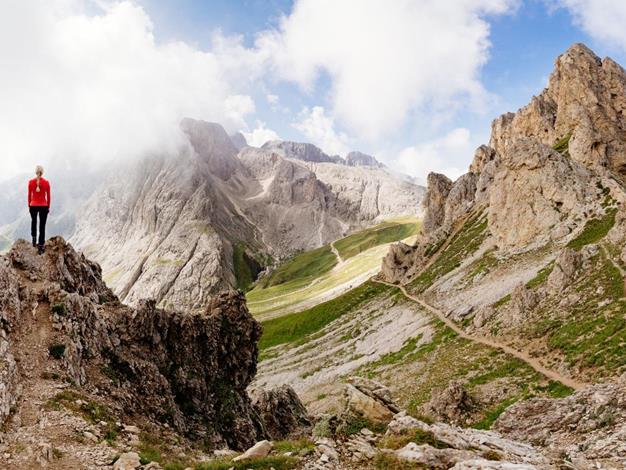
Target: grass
246,268
297,447
418,436
595,230
302,268
391,462
541,276
463,244
297,326
492,415
59,309
562,144
357,423
386,232
266,463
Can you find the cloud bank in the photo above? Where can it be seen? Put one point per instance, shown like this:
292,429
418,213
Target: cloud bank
385,59
98,87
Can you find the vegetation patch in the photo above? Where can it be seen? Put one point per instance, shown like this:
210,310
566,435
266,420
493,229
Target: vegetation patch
391,462
266,463
595,230
387,232
59,309
301,269
297,326
562,144
418,436
463,244
246,268
354,424
57,351
541,276
492,415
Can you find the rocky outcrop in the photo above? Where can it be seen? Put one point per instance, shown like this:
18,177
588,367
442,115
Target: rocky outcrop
583,106
565,269
282,413
190,371
452,405
537,195
438,188
586,428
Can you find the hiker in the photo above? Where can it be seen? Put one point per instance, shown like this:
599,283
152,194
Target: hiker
39,205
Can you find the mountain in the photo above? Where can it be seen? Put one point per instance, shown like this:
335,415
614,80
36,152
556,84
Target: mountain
181,228
508,311
528,247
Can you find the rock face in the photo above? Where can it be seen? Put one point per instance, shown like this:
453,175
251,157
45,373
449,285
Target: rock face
361,159
170,228
584,100
542,175
439,187
188,370
536,193
586,428
282,412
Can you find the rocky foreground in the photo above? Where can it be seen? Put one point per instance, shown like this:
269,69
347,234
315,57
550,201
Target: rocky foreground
89,383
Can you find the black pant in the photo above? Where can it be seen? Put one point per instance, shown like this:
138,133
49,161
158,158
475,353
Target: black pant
42,211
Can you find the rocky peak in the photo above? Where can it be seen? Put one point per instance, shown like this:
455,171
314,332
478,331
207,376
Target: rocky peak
212,144
239,141
300,151
361,159
582,110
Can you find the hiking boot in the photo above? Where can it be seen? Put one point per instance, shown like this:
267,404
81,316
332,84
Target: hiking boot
41,249
35,242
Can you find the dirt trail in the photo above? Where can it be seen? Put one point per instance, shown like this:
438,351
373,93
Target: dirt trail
522,355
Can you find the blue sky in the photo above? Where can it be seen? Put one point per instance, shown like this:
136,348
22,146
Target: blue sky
414,82
524,45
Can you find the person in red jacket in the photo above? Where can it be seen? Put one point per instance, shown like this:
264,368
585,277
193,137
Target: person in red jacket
39,205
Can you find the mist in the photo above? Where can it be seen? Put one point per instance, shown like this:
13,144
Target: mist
88,86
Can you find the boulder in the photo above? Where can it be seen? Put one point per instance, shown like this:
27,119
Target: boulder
282,413
452,405
127,461
565,269
257,451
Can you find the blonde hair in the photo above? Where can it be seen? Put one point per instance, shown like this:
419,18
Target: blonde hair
39,173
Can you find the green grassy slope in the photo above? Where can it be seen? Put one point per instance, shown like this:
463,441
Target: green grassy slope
386,232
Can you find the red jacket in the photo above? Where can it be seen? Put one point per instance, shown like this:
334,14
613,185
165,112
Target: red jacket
39,198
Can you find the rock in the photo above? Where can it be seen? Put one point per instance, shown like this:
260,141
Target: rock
438,188
153,466
131,429
127,461
159,355
535,189
362,159
587,427
482,464
363,405
431,457
565,269
259,450
483,315
281,412
452,405
482,156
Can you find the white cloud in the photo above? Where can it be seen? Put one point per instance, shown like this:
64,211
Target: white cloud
271,98
385,59
98,87
261,134
447,155
602,19
319,129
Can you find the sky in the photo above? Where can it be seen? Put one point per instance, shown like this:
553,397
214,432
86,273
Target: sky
414,82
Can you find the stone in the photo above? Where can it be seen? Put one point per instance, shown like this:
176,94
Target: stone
438,188
281,411
127,461
565,269
452,405
259,450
